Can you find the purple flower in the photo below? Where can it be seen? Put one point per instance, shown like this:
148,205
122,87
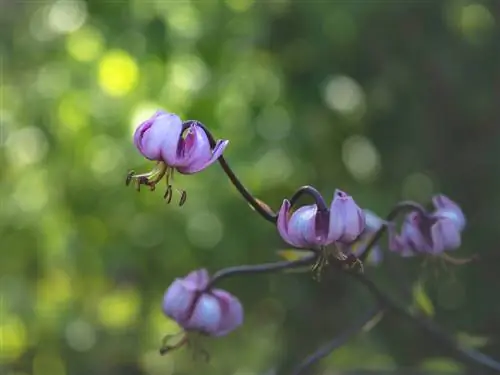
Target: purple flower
213,312
162,138
432,234
308,227
176,146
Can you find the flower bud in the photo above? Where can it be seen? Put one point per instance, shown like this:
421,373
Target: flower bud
213,312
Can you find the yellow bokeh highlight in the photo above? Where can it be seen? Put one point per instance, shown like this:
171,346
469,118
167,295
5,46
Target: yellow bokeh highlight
119,309
53,293
47,363
12,338
118,73
85,44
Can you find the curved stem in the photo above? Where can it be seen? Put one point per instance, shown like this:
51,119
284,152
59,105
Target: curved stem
399,208
260,268
469,356
263,211
315,194
338,341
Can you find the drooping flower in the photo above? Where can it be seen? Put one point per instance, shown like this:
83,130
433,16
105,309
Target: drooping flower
309,227
174,145
213,312
429,234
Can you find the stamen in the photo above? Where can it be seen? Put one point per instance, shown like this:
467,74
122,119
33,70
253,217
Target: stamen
168,194
183,197
165,347
150,179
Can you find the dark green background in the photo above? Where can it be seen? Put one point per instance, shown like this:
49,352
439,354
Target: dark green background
387,100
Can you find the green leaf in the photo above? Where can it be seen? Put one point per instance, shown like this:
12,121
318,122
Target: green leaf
421,300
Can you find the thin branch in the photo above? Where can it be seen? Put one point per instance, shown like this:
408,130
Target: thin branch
399,208
468,356
261,268
338,341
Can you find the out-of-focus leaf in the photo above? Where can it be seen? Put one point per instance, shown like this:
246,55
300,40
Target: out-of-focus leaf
442,364
472,340
421,300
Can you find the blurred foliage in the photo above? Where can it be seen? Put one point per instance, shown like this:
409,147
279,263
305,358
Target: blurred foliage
386,100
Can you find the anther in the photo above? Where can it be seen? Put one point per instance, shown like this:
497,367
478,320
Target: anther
183,198
168,194
130,175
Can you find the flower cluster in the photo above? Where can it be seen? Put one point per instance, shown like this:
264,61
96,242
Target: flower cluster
338,234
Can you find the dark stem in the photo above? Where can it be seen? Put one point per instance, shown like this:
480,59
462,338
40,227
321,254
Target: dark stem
338,341
315,194
264,212
399,208
468,356
260,268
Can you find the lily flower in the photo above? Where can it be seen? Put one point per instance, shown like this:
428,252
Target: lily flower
175,146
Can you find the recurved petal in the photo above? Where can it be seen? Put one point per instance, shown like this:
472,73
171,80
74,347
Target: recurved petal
445,235
204,156
177,301
198,279
445,207
206,316
231,312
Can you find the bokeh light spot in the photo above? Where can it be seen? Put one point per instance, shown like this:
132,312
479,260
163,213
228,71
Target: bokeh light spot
72,111
361,158
26,146
204,230
417,186
118,73
80,335
475,20
53,79
31,193
183,19
85,44
104,156
344,95
274,167
119,309
274,123
188,72
66,16
13,337
53,293
240,5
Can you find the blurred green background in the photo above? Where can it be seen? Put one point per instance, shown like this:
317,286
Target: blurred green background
387,100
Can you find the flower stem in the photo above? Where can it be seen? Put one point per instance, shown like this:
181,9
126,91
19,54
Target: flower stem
260,268
466,355
399,208
339,340
263,211
315,194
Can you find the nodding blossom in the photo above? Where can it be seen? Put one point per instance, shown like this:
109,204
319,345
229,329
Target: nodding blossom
175,146
310,227
434,233
213,312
